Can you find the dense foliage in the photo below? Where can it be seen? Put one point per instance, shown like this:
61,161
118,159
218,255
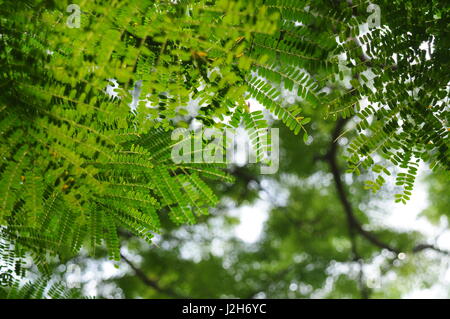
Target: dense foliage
80,167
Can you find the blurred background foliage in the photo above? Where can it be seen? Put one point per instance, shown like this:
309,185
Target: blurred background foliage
306,249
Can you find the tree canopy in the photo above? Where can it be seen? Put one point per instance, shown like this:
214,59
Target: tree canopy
358,91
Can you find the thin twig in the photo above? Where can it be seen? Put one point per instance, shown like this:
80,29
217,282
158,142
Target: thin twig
150,282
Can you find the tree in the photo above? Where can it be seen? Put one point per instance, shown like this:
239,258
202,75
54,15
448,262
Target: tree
79,166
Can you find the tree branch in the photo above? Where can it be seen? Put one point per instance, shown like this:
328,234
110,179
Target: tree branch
331,158
150,282
421,247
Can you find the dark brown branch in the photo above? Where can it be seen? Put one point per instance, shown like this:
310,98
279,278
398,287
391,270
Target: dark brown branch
422,247
331,158
342,195
150,282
